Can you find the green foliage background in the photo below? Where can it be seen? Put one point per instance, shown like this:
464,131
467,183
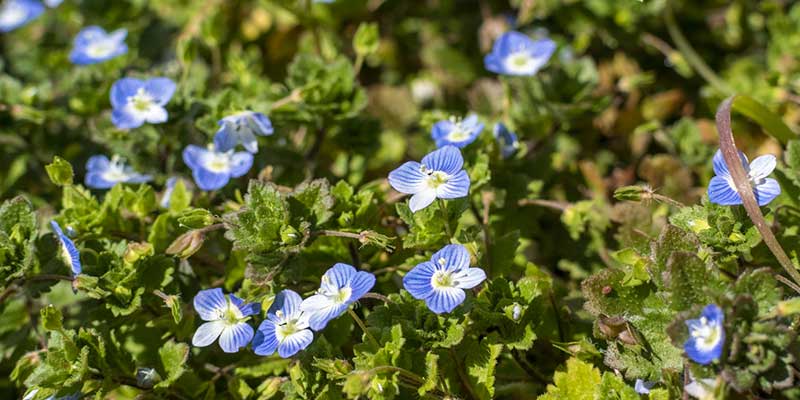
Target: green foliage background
585,293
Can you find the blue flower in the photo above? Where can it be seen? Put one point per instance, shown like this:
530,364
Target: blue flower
706,335
136,102
442,280
226,318
69,252
643,387
212,169
341,286
722,190
167,195
286,328
16,13
456,132
507,140
438,176
94,45
514,53
102,173
242,128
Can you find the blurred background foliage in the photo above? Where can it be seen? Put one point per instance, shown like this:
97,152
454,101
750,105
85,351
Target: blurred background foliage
621,102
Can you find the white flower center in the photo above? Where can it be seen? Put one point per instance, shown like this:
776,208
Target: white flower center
11,14
116,171
101,48
707,334
141,101
218,162
520,61
435,179
232,315
286,329
443,279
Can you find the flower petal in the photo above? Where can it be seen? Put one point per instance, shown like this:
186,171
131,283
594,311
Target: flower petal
339,276
360,284
207,333
241,163
422,199
762,166
455,257
207,180
161,89
448,159
95,180
457,186
470,278
320,309
721,168
445,299
208,303
246,309
767,191
193,156
226,138
155,114
408,178
122,89
288,302
123,119
720,192
418,281
97,163
265,342
295,342
236,336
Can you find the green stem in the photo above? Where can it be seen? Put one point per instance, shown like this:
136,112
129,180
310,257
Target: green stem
446,217
691,55
363,327
731,155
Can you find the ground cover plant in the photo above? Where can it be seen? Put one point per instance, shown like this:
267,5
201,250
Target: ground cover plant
385,199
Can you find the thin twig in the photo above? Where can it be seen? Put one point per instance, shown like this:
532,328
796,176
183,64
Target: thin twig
363,327
378,296
555,205
731,155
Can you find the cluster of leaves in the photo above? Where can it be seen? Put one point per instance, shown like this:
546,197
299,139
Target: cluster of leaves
591,272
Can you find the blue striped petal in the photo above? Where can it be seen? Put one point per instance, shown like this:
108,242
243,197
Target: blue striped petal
295,342
457,186
418,281
360,284
207,180
721,168
455,257
246,309
241,163
408,178
447,159
422,199
767,191
265,342
161,89
445,299
122,89
720,192
288,302
235,336
469,278
208,303
226,138
70,250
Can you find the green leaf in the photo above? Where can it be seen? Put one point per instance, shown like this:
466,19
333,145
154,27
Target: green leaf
366,39
256,228
431,373
480,362
173,357
771,123
60,171
51,318
580,381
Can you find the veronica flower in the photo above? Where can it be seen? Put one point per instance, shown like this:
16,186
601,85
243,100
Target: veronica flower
439,175
16,13
457,132
94,45
341,286
643,387
69,252
286,328
507,140
102,173
441,282
212,169
242,128
706,335
227,320
136,102
722,190
515,53
167,195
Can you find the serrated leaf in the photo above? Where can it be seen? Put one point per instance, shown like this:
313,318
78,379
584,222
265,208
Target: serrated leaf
60,171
